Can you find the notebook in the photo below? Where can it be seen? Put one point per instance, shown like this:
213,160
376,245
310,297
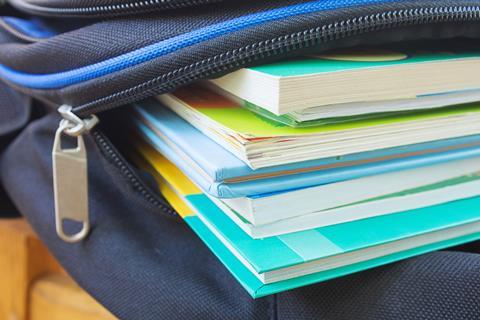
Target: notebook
354,75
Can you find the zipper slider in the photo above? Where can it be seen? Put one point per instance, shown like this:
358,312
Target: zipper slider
70,176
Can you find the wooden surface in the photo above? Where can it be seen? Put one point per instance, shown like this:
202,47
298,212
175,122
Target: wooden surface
33,286
61,298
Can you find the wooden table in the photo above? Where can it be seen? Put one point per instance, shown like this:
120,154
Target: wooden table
33,286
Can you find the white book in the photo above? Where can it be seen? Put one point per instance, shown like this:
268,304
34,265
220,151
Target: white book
354,212
353,76
276,207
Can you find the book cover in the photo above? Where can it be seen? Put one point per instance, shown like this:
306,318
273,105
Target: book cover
362,58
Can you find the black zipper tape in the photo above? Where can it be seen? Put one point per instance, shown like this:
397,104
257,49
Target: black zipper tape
112,155
111,9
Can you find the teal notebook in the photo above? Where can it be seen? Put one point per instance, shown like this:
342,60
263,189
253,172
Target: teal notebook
275,264
461,219
257,289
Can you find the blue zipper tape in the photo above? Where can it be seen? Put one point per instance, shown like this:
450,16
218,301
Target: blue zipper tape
71,77
33,28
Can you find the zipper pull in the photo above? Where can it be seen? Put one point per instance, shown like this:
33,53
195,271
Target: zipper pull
70,176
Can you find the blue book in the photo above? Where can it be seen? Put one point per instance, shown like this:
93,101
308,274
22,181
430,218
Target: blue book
223,175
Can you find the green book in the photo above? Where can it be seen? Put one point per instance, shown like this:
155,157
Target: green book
261,142
358,81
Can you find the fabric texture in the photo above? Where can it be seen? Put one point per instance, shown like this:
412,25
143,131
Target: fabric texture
14,110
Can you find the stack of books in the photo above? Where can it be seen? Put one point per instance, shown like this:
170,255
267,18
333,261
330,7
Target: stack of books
317,167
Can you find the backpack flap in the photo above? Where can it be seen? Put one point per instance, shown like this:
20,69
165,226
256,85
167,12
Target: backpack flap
14,110
110,63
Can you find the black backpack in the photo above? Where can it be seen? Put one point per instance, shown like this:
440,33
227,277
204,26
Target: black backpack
91,58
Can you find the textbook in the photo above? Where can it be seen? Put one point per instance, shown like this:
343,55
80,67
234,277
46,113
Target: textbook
261,142
223,175
281,263
328,205
354,75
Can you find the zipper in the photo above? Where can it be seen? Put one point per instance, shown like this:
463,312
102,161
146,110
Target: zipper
243,56
135,181
70,177
70,174
248,55
120,8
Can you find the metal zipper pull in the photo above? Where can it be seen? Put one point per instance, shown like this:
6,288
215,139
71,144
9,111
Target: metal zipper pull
70,176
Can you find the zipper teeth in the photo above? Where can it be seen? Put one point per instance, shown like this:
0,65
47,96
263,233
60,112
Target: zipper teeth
237,58
132,177
113,9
